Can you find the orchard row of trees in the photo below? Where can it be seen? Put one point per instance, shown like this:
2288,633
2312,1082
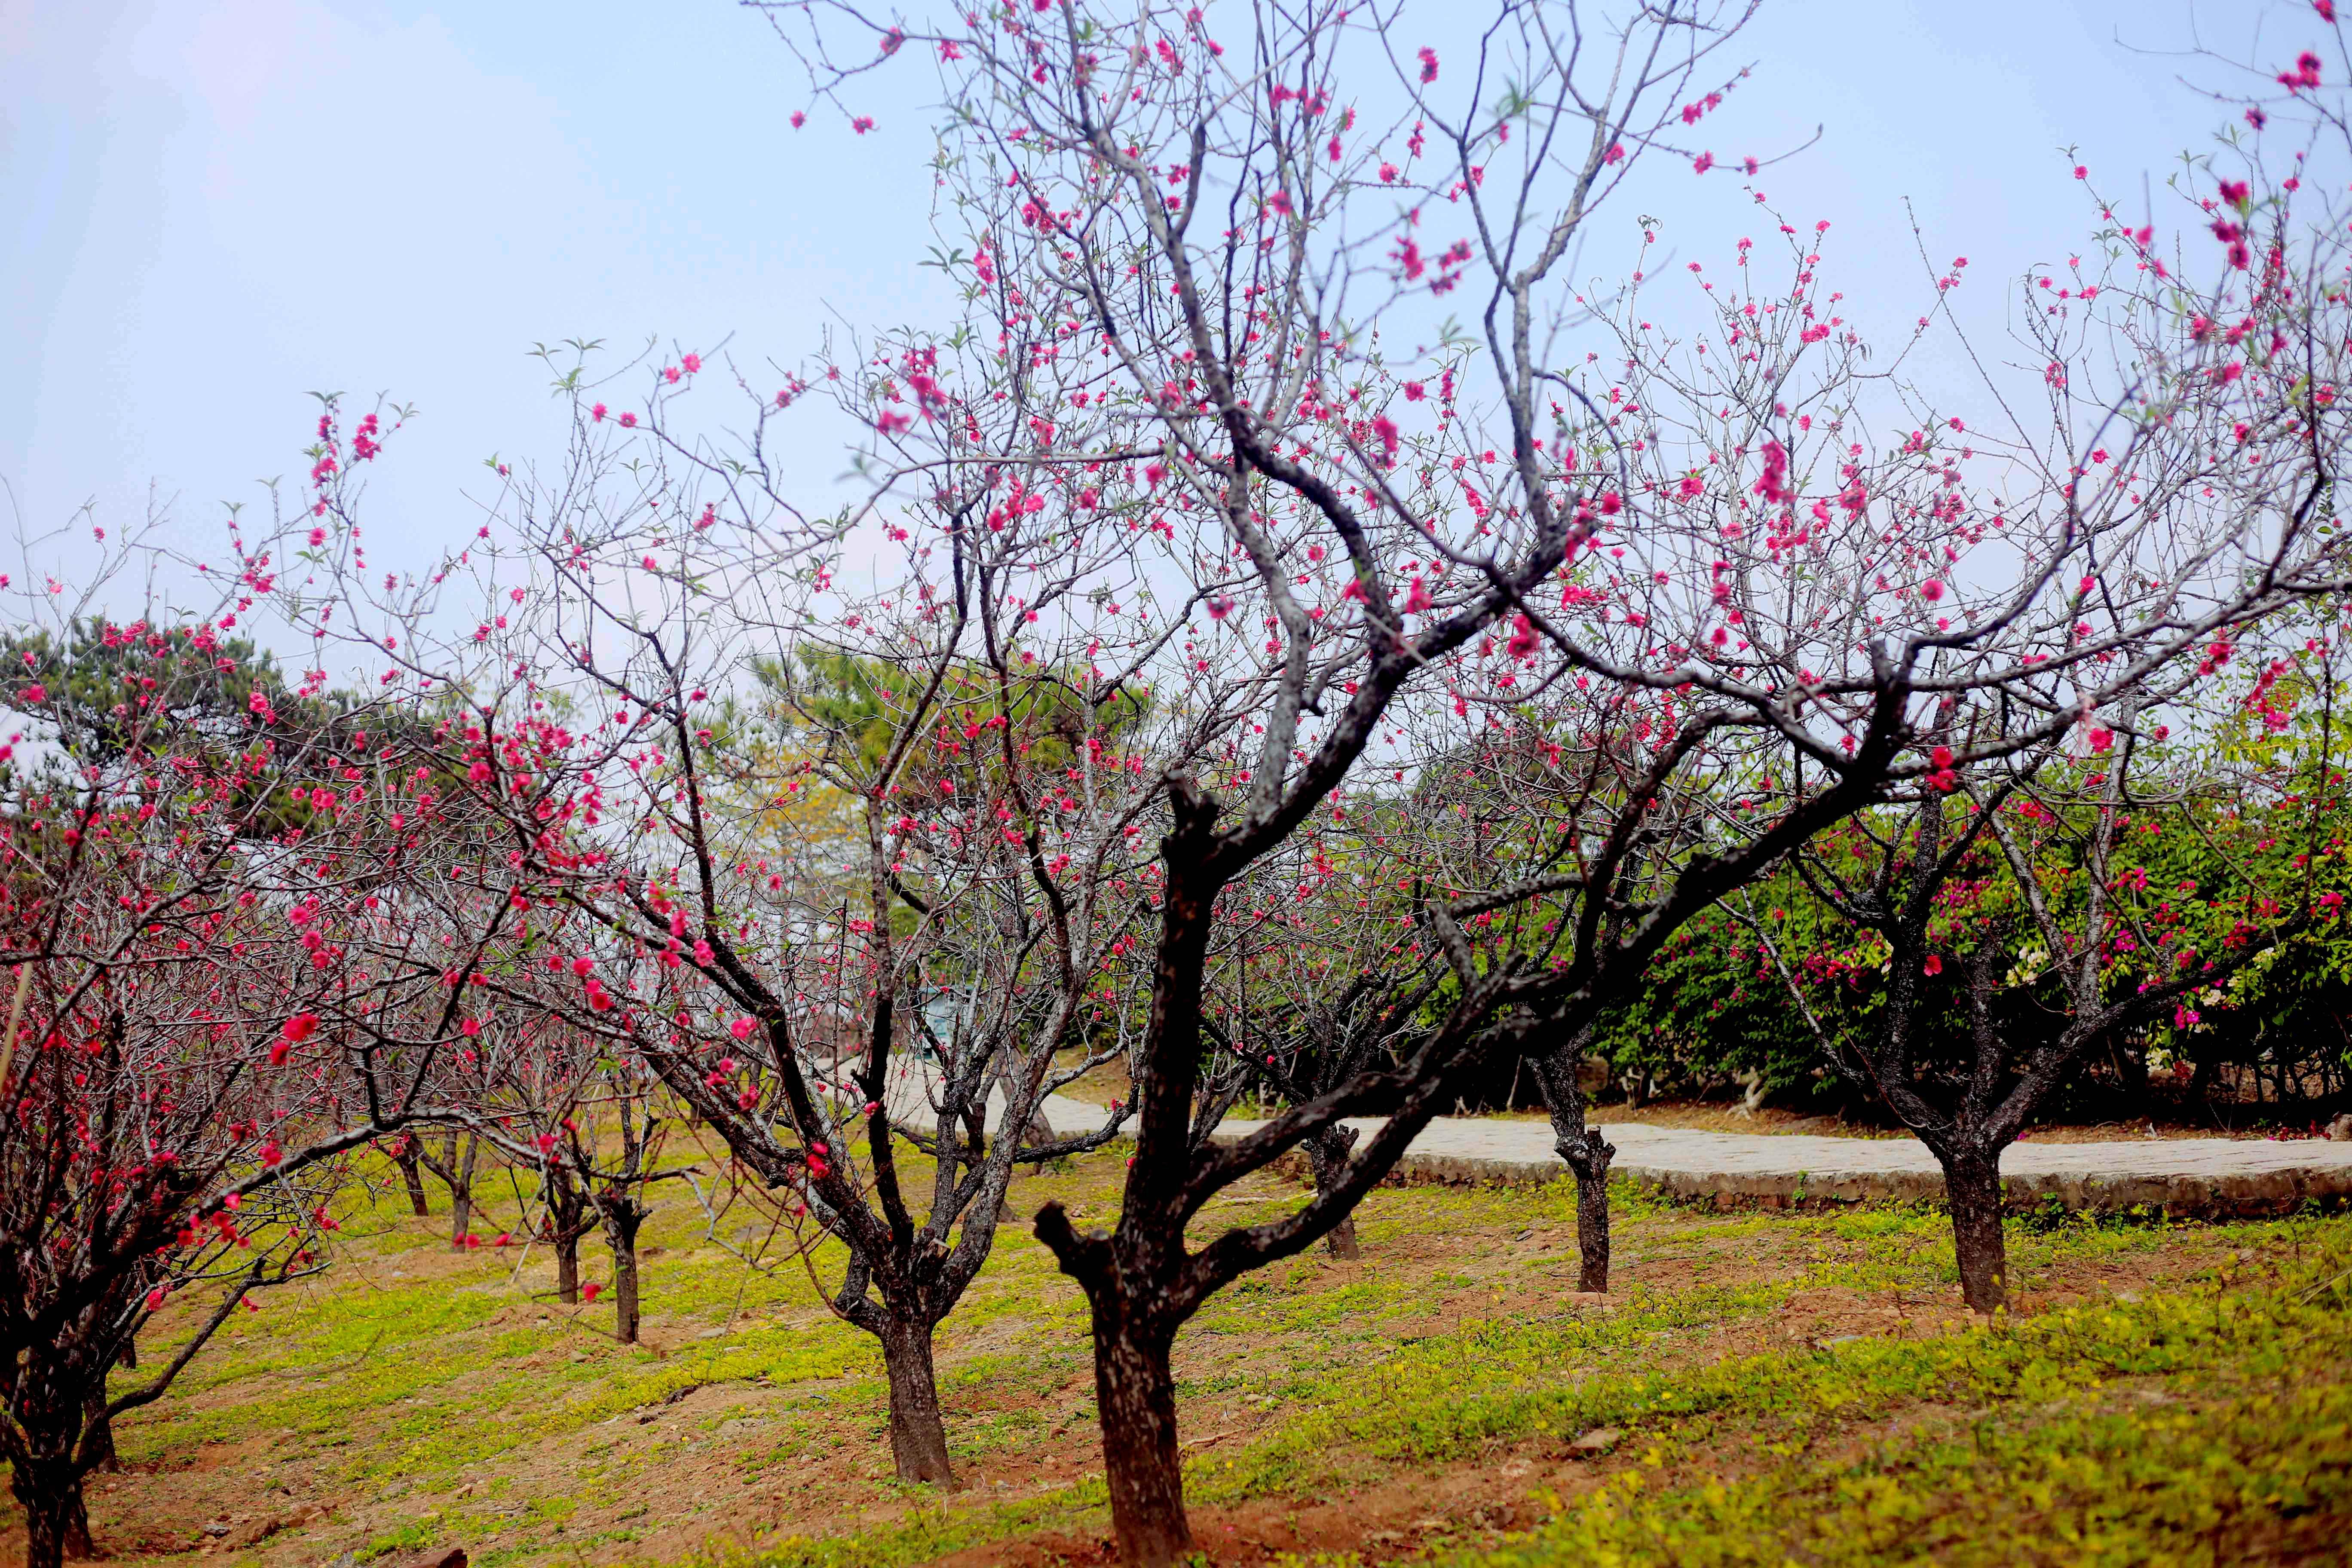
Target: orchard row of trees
1234,668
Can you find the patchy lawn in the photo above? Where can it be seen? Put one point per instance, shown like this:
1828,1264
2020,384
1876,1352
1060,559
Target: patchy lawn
1758,1388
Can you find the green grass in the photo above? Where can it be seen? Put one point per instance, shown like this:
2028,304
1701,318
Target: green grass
2131,1431
447,1388
445,1405
2210,1427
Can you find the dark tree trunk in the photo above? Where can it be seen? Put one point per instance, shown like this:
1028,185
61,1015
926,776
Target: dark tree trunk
410,1160
567,1220
567,1266
624,1291
1588,1154
1135,1391
2131,1077
461,1193
57,1523
918,1439
1327,1155
623,1216
2203,1076
1972,1192
1584,1151
97,1433
51,1395
1130,1277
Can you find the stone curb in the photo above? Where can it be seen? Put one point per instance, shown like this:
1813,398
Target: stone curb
2182,1195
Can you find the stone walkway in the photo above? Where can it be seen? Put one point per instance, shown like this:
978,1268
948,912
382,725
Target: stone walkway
2209,1176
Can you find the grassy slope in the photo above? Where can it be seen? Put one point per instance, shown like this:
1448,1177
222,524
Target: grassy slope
1783,1387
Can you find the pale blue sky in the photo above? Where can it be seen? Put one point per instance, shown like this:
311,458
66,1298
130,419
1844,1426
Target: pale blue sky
215,206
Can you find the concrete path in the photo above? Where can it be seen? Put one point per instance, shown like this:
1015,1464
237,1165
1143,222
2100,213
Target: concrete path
2210,1176
2179,1175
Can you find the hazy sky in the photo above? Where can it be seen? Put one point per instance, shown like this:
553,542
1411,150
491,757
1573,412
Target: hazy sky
214,206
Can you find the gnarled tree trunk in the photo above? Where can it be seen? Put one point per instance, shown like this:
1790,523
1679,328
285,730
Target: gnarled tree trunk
1585,1152
97,1433
568,1219
1135,1392
461,1192
410,1158
56,1521
918,1439
1588,1154
1972,1192
623,1216
1327,1154
1130,1277
567,1267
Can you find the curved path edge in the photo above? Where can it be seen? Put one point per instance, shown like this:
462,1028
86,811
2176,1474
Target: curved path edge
2212,1177
2208,1177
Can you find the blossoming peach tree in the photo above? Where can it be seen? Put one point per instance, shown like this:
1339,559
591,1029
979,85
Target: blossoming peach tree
1725,585
829,825
1990,934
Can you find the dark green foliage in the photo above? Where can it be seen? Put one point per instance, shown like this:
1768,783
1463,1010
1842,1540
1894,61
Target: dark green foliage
108,691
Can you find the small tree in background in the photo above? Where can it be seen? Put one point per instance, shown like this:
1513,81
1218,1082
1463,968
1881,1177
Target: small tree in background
1317,974
841,871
